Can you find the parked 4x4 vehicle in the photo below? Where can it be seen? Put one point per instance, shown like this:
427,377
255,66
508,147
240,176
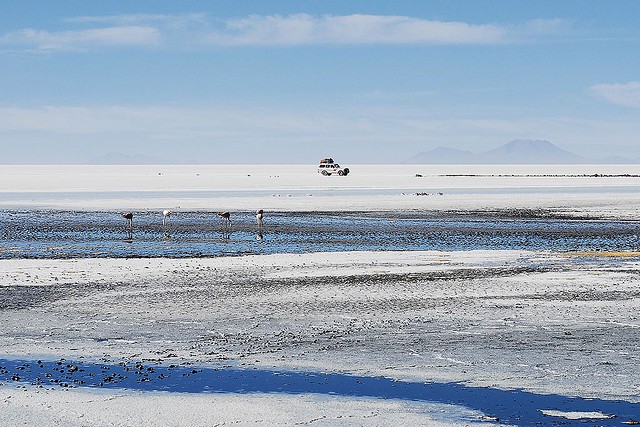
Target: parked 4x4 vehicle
329,167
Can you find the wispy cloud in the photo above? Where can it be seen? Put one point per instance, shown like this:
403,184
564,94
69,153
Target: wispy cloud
273,30
165,122
627,94
158,122
304,29
82,39
138,19
543,27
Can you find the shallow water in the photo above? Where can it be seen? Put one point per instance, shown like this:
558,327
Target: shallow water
515,407
80,234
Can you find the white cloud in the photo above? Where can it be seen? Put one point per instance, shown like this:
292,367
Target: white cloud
83,39
185,22
627,94
304,29
137,19
189,30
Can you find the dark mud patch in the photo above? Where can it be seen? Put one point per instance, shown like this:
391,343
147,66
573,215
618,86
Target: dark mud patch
23,297
588,295
397,280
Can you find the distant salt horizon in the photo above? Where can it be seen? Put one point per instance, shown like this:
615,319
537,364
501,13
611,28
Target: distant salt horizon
597,188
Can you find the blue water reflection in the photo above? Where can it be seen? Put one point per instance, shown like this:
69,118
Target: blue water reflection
514,407
71,234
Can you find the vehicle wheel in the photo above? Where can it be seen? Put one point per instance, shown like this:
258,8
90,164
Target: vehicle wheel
340,173
346,171
325,173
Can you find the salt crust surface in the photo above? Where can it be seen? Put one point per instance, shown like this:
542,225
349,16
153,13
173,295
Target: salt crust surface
596,190
568,329
473,316
78,408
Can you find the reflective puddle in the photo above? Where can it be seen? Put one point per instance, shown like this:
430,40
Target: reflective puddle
71,234
514,407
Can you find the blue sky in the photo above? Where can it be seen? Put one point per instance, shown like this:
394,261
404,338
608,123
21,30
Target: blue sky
292,81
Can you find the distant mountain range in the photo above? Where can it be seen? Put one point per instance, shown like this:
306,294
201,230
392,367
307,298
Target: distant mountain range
521,151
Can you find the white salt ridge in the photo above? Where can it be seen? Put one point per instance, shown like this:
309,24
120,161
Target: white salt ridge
577,415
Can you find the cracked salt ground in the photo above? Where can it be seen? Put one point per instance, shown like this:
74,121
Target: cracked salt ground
515,407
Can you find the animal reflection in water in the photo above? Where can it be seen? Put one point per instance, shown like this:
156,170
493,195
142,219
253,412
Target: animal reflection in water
226,219
166,214
129,217
165,217
259,216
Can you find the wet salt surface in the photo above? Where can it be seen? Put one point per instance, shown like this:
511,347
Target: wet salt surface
80,234
514,407
18,197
